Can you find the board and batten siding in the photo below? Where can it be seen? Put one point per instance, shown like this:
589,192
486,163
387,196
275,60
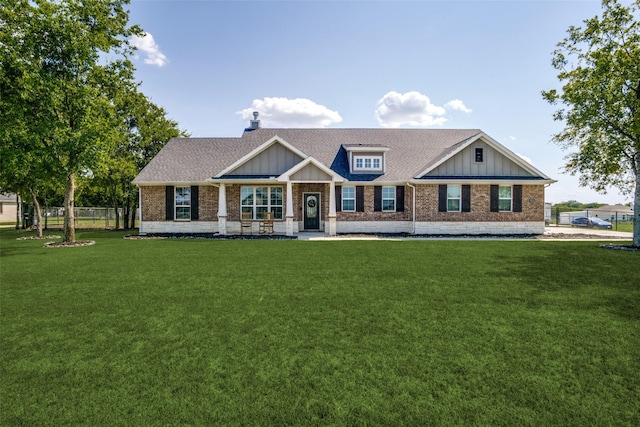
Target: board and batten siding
494,164
273,161
310,173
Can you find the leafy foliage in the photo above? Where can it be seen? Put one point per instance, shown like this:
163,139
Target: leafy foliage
600,100
70,107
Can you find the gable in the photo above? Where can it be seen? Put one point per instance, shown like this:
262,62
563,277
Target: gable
493,164
310,173
272,161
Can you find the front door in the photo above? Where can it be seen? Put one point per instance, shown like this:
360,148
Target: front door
312,211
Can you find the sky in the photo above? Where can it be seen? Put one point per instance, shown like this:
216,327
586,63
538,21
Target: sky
364,64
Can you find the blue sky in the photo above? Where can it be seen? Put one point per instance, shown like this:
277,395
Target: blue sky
427,64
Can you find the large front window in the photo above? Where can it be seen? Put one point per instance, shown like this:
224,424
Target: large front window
258,200
388,199
183,203
504,198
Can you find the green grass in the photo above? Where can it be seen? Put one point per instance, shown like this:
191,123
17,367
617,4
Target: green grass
202,332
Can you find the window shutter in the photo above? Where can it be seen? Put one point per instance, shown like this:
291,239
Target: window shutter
195,215
338,198
377,198
359,198
517,198
400,198
442,198
169,192
494,199
466,198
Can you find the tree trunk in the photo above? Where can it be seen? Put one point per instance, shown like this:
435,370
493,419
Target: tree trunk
69,214
125,212
636,208
38,212
114,200
18,211
134,207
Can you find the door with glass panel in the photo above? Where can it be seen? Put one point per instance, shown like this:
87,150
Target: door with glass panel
312,211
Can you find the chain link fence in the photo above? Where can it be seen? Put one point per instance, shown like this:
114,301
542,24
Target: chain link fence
619,220
85,217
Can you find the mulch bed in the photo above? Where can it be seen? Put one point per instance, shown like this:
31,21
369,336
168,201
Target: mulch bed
76,244
39,238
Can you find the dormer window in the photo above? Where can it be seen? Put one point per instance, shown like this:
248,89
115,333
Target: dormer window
367,163
366,158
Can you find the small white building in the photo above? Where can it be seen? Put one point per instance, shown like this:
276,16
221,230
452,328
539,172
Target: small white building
8,207
613,213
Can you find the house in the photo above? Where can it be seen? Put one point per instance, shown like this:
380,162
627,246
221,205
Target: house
8,207
422,181
613,213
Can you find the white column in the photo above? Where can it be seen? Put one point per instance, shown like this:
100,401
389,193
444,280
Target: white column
332,208
289,209
222,210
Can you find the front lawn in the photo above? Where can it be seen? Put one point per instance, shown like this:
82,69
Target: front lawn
211,332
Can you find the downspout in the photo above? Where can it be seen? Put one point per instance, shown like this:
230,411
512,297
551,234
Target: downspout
413,208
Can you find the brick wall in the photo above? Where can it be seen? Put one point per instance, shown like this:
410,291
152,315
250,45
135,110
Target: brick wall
532,205
370,215
154,203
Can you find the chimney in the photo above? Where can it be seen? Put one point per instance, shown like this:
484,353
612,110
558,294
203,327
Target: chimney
255,123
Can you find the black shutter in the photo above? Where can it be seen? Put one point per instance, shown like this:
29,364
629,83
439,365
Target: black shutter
494,199
466,198
517,198
195,215
359,198
442,198
377,198
400,198
338,198
169,193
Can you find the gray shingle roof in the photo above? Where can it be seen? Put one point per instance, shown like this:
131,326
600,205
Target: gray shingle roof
410,151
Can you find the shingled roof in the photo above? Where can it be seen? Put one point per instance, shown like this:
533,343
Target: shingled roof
192,160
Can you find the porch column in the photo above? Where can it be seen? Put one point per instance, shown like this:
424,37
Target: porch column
332,208
289,209
222,210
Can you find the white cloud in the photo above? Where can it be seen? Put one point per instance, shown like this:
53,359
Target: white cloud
525,158
410,108
148,45
457,105
414,109
299,112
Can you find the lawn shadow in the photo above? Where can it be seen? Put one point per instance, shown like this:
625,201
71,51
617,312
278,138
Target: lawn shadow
590,278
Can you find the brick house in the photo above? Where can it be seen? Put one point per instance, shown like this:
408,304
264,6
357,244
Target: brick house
422,181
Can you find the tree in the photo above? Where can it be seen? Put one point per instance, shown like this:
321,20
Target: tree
60,60
144,130
599,66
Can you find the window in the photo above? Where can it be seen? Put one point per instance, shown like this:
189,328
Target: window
348,199
388,199
258,200
183,203
504,198
453,198
479,155
367,163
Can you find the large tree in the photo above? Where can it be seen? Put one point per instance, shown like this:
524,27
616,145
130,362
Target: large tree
599,66
60,61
